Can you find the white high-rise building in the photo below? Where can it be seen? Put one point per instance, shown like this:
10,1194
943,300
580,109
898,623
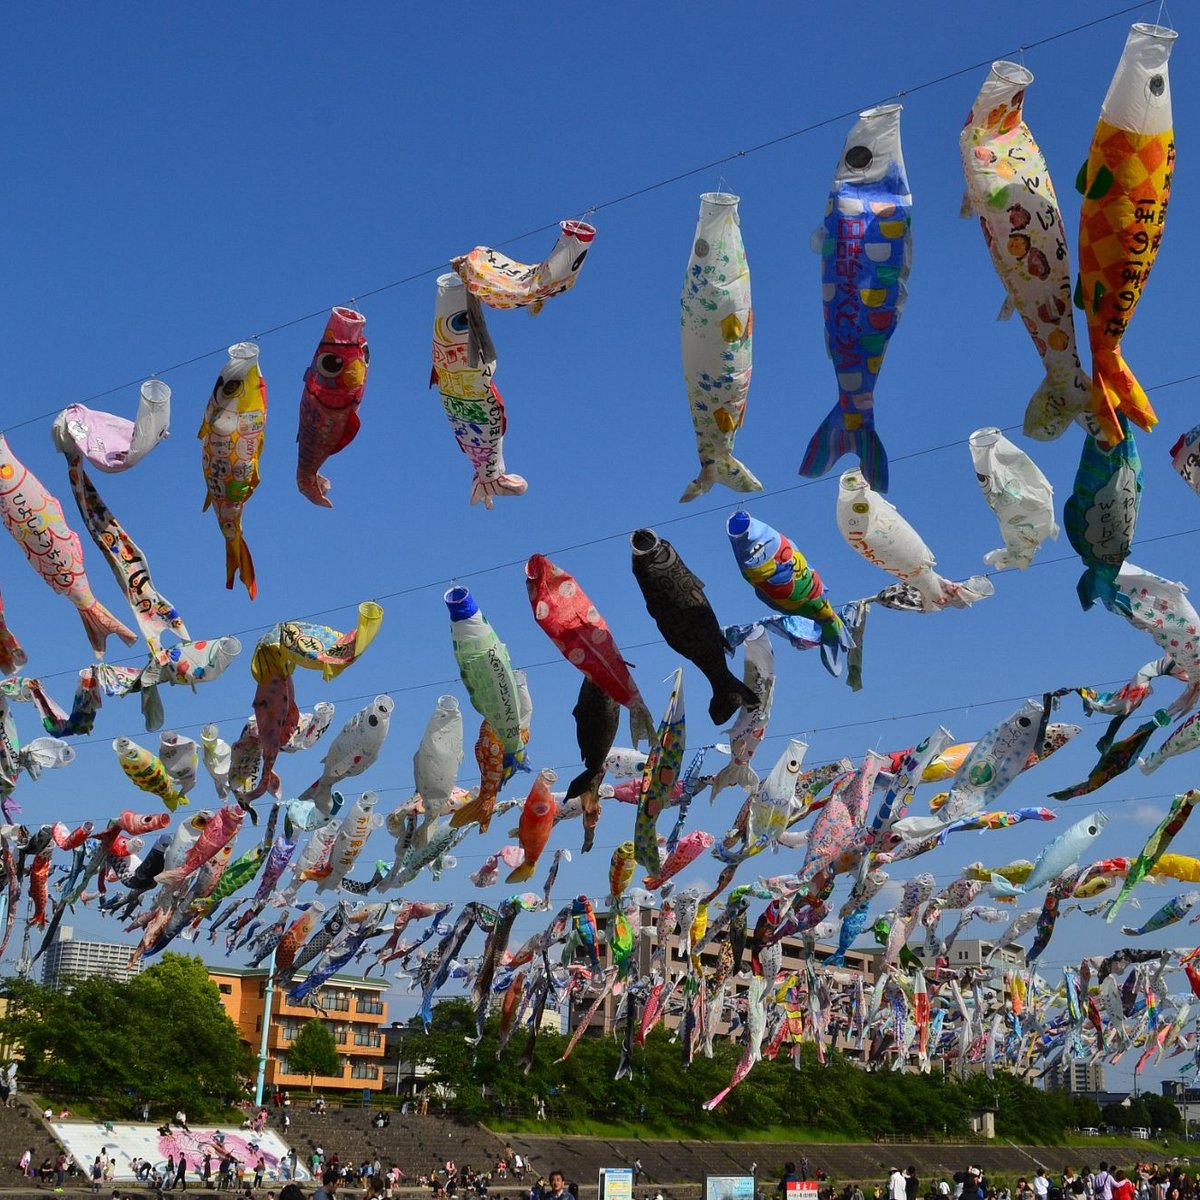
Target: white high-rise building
69,958
1086,1078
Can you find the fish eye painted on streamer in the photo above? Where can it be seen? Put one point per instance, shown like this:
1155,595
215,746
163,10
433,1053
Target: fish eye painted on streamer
858,158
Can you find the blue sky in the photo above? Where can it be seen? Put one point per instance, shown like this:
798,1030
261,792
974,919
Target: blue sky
185,178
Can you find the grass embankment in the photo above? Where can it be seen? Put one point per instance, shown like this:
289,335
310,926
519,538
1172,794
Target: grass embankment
1074,1146
662,1131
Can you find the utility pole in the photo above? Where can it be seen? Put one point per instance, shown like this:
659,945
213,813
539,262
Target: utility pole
268,996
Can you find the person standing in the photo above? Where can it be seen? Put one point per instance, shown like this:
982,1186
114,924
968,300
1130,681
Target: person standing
1041,1184
897,1189
638,1172
1121,1185
329,1185
972,1188
181,1173
260,1168
97,1174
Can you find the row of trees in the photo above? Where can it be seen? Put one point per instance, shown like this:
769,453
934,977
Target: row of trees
163,1037
837,1097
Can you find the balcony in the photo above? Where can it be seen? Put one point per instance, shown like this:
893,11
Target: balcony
364,1005
368,1039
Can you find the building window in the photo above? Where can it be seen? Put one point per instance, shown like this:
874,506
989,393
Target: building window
281,1059
364,1071
368,1005
331,1001
366,1038
226,989
258,1025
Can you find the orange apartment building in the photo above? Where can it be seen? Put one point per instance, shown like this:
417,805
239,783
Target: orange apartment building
352,1007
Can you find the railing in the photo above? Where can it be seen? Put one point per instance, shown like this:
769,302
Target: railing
932,1139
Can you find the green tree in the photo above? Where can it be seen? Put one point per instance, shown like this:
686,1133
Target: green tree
663,1096
163,1036
314,1052
1163,1114
189,1052
1116,1116
1087,1112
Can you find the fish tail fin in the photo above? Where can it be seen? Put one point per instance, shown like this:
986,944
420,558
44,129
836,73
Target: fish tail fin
641,723
732,696
1053,406
847,433
1099,583
585,781
99,623
521,873
239,563
728,470
1000,887
313,486
465,815
171,878
503,485
1115,389
12,654
734,775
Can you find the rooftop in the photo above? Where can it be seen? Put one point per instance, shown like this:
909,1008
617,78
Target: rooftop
358,981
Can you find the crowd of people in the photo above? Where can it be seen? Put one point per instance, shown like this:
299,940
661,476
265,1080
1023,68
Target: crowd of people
1141,1181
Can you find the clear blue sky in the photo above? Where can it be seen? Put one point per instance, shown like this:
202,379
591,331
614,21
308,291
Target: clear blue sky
183,178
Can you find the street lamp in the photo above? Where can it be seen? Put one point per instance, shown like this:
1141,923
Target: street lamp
396,1042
